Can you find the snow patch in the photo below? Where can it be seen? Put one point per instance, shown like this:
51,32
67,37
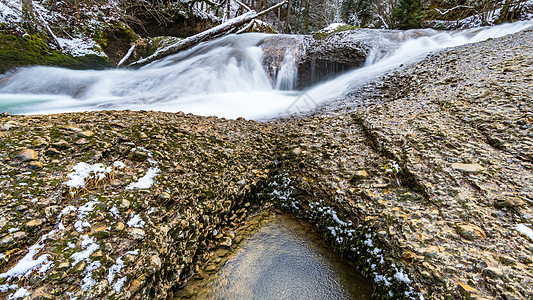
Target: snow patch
10,11
333,27
6,287
136,221
80,47
82,171
89,245
88,281
523,229
115,212
146,181
119,165
27,264
119,284
115,269
20,293
401,276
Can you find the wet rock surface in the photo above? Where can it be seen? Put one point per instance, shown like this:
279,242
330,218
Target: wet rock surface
323,56
112,236
420,180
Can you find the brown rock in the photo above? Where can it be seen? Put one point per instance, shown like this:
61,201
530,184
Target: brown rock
72,128
85,134
467,168
35,165
61,145
492,272
511,202
136,233
408,256
466,289
35,222
471,232
26,155
221,252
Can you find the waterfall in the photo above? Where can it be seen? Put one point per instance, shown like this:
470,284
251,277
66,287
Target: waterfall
225,77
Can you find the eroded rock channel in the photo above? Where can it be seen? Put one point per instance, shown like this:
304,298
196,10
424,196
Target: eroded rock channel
425,186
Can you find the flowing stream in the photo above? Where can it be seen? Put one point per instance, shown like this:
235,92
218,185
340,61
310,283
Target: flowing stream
224,77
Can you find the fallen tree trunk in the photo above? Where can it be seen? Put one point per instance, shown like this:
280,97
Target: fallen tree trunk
204,35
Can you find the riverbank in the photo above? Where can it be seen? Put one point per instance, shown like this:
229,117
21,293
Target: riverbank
422,185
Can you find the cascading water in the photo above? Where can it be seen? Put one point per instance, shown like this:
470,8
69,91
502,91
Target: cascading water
224,77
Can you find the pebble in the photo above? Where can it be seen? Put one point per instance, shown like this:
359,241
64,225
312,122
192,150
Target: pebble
26,155
493,272
136,233
467,168
471,232
35,165
85,134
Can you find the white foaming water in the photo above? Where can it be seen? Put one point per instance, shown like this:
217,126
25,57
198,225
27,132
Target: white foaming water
224,77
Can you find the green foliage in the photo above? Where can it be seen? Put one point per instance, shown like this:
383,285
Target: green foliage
33,50
408,14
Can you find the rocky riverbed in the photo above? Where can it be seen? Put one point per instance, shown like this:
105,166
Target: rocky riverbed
421,183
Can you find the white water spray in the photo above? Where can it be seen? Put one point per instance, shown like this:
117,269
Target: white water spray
224,77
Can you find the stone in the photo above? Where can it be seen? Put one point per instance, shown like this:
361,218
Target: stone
81,141
26,155
138,155
492,272
72,128
164,196
120,226
136,233
52,211
156,262
210,268
124,204
35,165
35,222
296,151
85,134
9,125
511,203
53,152
408,256
226,242
467,168
61,145
466,289
39,142
471,232
221,252
361,174
15,237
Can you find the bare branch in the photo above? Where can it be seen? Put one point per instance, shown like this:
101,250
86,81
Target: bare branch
452,9
243,5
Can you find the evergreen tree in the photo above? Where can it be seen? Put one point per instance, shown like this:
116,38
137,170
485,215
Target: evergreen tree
361,9
408,14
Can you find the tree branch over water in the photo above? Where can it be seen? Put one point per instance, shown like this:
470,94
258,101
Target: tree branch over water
205,35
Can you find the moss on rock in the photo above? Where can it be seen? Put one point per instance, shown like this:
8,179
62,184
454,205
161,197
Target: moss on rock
33,50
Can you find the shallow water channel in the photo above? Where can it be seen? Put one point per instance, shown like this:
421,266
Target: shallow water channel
286,259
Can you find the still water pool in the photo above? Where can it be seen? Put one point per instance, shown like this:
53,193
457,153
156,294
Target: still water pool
287,259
